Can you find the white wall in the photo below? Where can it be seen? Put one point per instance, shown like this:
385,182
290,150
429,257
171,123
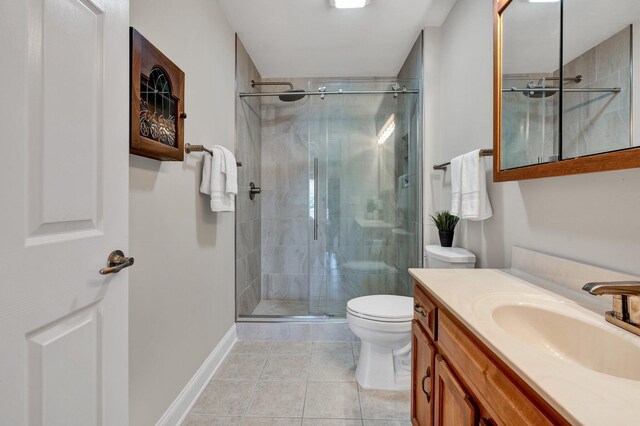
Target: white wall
591,218
182,285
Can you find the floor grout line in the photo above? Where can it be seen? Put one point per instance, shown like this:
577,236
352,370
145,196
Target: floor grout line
306,389
360,403
255,386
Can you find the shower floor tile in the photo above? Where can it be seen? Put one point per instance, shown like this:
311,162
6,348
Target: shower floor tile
336,308
297,395
281,307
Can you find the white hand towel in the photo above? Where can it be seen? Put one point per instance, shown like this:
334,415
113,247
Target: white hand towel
230,169
214,183
456,185
474,200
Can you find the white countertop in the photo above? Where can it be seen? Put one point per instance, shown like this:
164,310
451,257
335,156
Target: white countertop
582,395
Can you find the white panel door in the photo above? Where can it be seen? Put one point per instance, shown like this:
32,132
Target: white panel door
64,208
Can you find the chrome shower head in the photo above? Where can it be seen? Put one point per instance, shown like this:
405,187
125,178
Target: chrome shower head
291,94
539,90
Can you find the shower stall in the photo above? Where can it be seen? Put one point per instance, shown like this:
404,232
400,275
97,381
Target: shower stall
338,164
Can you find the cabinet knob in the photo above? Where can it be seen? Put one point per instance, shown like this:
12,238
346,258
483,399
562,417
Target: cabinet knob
419,309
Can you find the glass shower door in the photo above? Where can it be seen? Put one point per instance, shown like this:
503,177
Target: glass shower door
364,192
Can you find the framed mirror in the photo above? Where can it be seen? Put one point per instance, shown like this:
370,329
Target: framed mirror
564,87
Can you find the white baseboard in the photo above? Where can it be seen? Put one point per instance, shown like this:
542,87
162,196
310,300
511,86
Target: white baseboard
181,406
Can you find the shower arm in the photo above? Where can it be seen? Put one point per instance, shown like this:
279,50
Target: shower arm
576,79
271,83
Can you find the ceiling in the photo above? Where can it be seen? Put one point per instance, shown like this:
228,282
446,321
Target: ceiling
308,38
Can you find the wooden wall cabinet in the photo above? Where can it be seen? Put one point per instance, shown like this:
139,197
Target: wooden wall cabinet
457,380
156,102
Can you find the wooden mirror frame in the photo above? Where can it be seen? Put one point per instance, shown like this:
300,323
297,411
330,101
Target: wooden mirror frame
617,160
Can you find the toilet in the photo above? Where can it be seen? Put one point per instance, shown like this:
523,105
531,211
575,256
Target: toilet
449,257
383,324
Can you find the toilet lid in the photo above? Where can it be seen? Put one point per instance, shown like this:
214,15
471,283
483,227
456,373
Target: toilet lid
382,307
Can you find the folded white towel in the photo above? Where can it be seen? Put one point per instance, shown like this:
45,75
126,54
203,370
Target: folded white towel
214,182
474,199
205,184
456,185
230,169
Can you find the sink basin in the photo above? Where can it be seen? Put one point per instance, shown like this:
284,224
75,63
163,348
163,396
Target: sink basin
567,332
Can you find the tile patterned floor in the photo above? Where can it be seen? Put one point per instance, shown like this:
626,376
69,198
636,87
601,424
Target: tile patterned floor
295,383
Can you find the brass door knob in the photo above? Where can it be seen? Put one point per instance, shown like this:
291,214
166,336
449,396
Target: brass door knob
117,261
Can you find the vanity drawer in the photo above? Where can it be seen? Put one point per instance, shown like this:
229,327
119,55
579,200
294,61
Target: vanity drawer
424,311
508,402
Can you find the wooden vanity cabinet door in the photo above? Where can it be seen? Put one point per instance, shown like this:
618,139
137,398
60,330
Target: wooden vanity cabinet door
423,354
453,404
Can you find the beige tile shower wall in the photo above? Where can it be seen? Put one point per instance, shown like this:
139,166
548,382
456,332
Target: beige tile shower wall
591,218
182,292
248,217
285,196
599,122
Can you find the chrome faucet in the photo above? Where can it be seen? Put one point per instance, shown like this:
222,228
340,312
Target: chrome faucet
626,302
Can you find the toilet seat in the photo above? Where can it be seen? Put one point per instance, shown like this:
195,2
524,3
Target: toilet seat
378,325
382,308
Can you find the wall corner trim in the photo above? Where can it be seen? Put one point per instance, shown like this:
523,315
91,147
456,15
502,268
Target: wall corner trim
185,400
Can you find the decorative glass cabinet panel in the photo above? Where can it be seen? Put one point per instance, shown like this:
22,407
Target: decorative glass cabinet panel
157,108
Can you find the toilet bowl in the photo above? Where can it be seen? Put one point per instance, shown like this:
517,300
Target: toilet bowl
383,324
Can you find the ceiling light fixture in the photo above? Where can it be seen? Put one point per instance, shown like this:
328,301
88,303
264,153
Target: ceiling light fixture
387,130
349,4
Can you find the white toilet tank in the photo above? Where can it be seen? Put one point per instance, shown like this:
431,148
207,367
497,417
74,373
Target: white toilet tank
449,257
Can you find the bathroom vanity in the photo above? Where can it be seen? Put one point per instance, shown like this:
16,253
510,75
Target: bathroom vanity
493,347
458,380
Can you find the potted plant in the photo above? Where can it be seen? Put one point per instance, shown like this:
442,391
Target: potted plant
446,224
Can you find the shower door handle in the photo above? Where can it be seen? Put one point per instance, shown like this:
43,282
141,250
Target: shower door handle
315,199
